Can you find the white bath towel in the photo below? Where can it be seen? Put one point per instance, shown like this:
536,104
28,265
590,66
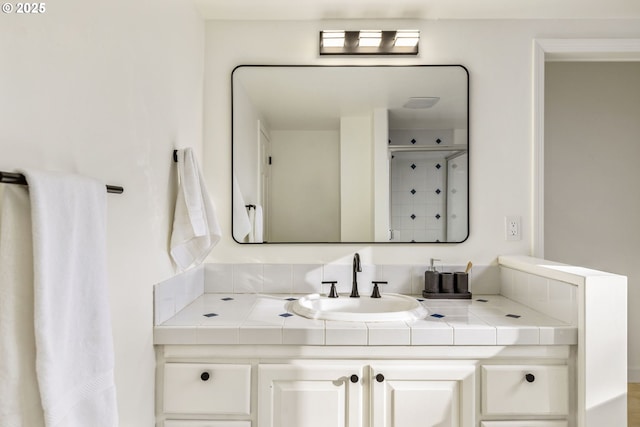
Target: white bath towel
19,395
74,344
241,222
195,226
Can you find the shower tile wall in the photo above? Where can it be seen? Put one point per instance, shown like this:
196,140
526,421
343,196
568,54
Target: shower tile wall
418,187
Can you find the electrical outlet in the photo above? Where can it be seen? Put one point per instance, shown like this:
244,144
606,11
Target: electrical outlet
512,228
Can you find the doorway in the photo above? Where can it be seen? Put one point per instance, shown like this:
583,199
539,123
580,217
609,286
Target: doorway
586,139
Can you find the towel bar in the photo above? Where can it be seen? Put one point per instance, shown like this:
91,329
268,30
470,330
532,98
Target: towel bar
18,178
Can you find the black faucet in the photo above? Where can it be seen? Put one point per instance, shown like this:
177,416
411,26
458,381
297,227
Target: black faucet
356,269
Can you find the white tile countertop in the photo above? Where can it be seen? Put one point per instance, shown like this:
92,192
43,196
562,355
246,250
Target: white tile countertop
232,319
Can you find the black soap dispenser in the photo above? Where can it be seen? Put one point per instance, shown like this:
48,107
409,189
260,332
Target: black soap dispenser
431,280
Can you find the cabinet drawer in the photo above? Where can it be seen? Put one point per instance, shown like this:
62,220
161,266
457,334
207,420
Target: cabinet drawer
193,388
523,424
525,390
193,423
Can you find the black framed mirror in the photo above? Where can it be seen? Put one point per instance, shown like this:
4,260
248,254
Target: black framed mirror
350,154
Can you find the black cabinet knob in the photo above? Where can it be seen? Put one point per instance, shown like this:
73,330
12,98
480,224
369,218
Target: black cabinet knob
530,378
354,378
379,378
204,376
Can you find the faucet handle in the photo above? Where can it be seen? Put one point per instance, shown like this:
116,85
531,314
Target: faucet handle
376,291
332,293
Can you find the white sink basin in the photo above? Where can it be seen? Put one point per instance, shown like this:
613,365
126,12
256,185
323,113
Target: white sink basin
390,307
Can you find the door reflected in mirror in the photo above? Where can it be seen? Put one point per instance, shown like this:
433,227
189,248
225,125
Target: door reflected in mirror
350,154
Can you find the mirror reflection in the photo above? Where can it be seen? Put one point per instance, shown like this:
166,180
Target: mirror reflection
351,154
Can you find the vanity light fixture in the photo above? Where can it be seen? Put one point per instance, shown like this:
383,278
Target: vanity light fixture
369,42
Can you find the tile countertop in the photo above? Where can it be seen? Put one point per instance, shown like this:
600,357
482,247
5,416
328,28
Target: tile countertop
263,319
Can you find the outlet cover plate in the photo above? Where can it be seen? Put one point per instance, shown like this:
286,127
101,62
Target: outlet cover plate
512,227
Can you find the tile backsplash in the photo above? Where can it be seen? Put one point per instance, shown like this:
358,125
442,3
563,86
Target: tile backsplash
308,278
551,297
176,293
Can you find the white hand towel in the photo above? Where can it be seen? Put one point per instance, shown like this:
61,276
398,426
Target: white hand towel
195,226
74,344
257,225
241,222
19,395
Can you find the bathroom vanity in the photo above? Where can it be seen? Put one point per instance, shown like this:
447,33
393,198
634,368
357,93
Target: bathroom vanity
509,360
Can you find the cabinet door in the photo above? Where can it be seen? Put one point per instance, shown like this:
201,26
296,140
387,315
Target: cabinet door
422,395
310,395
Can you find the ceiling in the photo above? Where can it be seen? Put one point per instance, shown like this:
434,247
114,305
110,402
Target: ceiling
417,9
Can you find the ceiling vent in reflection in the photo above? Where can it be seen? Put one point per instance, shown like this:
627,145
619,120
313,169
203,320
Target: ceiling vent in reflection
421,102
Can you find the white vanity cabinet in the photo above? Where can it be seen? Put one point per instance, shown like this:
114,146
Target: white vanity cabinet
414,393
529,357
310,386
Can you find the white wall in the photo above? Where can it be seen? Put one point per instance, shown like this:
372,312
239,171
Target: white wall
305,193
246,152
381,191
498,55
356,178
592,197
107,89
